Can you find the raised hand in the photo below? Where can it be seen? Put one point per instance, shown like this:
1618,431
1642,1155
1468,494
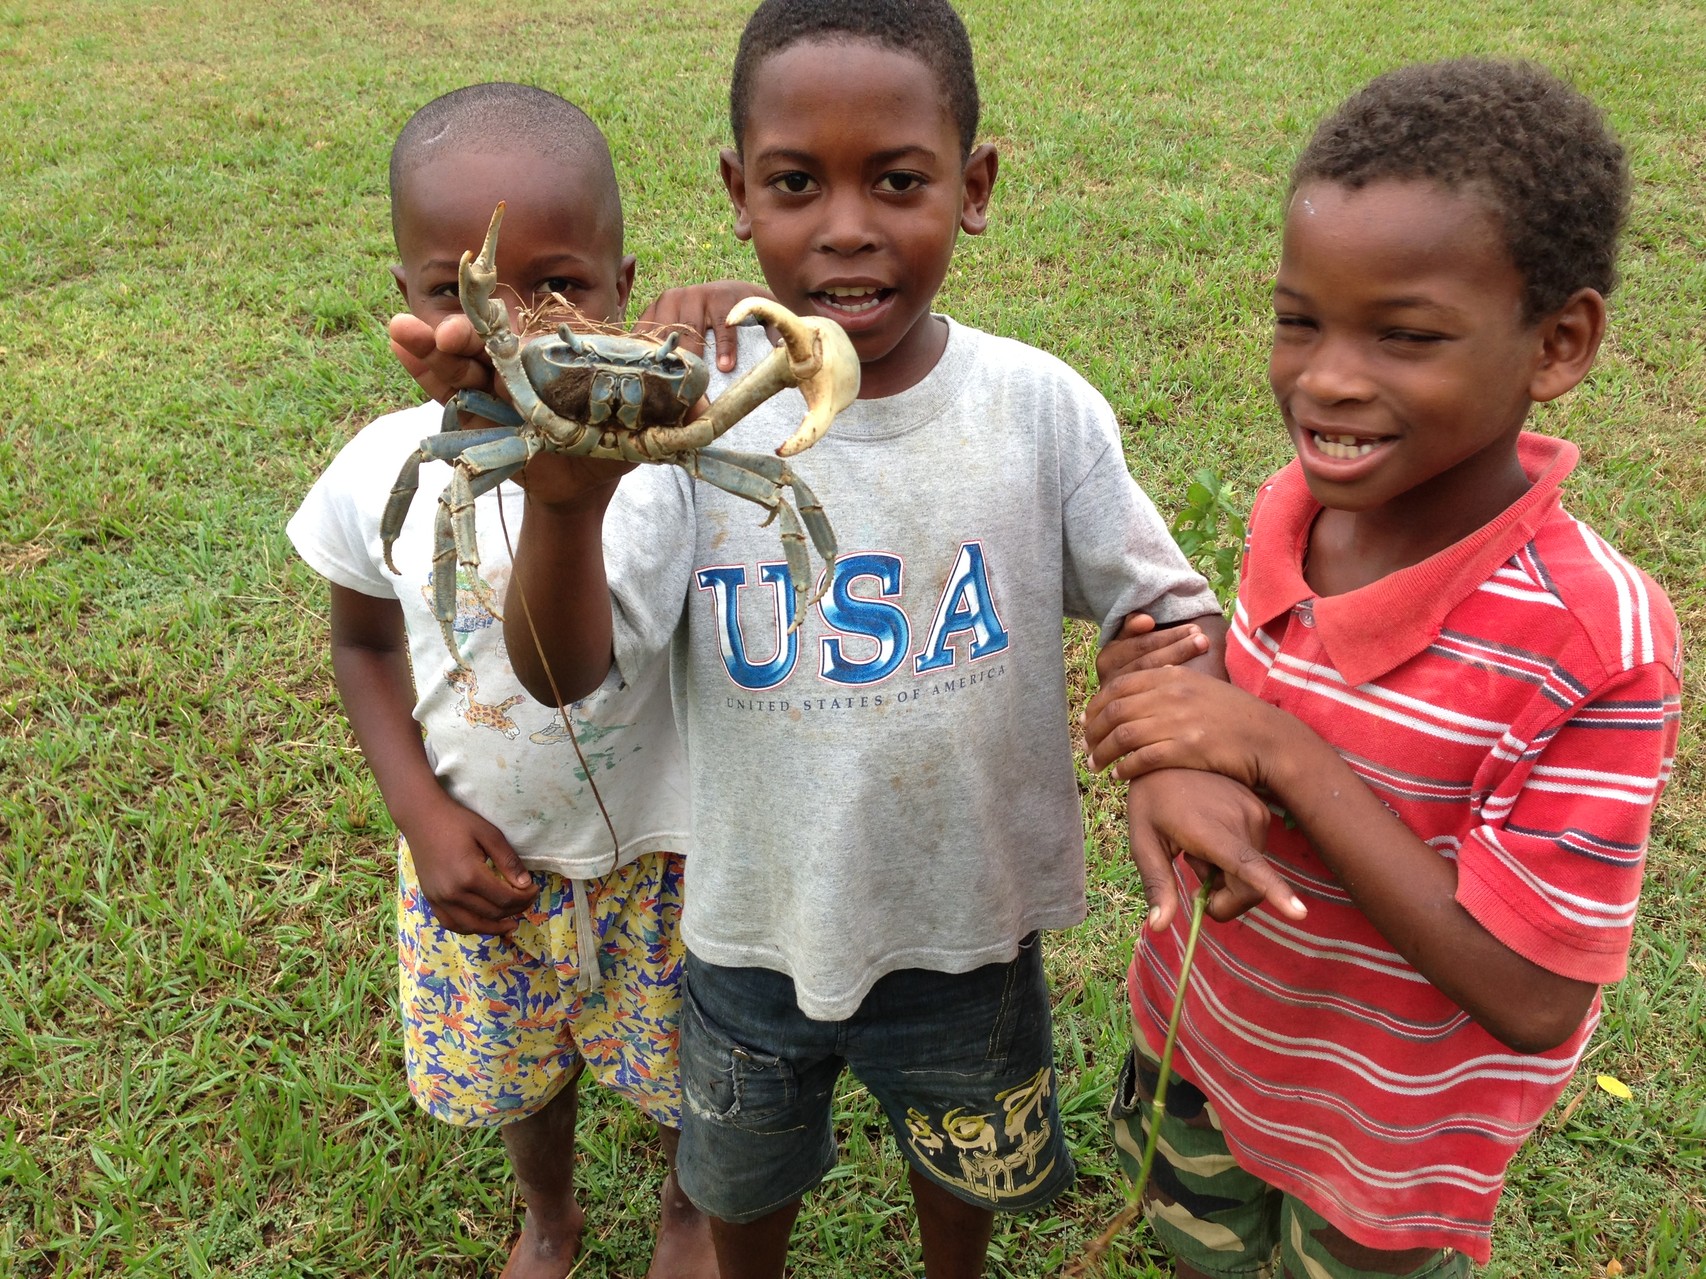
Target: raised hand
444,360
702,309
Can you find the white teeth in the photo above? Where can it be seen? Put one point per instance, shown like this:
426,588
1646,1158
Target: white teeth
843,299
1343,447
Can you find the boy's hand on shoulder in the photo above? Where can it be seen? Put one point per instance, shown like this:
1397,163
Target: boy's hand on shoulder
444,360
1172,717
1219,825
703,308
468,871
1140,645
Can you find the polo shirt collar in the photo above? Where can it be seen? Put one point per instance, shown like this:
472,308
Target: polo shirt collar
1373,630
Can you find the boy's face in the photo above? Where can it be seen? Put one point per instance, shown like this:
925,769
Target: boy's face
850,185
1401,361
560,234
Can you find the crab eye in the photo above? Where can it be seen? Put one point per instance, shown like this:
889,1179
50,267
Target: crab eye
667,347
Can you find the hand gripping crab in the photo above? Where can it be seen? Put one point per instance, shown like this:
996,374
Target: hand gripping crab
624,399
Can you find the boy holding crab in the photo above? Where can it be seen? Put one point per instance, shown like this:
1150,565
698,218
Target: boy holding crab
540,867
886,814
884,804
1462,701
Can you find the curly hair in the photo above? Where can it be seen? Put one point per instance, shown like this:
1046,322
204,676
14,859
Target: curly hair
1537,151
929,30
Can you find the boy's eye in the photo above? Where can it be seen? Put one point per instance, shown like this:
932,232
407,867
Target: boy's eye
557,284
900,183
1412,336
446,290
794,183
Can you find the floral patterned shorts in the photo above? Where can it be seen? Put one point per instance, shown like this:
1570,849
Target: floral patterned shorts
495,1027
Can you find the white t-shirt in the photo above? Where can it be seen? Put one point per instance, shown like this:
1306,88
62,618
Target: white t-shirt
496,750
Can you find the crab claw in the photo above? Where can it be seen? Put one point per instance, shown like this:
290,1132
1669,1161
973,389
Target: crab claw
821,360
477,278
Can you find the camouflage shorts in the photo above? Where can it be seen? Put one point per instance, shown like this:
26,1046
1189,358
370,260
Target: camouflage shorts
1218,1220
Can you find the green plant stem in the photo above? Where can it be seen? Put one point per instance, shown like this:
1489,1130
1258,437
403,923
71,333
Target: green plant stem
1199,906
1092,1256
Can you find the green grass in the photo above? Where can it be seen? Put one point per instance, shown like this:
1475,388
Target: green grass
200,1068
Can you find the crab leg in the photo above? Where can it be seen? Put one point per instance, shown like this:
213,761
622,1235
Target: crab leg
455,543
760,479
443,447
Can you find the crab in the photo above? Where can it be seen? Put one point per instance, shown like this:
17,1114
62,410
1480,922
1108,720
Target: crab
623,398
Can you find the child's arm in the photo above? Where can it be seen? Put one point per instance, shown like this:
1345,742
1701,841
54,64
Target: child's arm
1178,719
557,610
450,844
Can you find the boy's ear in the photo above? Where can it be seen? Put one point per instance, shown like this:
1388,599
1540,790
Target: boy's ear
1569,341
734,182
978,181
624,284
402,278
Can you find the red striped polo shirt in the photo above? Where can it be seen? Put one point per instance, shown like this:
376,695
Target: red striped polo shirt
1515,700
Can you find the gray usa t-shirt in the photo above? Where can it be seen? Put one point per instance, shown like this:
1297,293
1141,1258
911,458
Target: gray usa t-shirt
891,786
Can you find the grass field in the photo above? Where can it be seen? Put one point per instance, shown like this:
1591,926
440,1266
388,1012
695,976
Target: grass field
199,1060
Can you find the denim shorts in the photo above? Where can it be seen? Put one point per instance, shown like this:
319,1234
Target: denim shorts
961,1063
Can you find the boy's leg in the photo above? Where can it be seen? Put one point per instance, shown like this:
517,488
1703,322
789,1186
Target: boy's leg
684,1249
755,1249
1216,1220
757,1077
486,1044
628,1030
541,1149
963,1065
955,1233
1310,1248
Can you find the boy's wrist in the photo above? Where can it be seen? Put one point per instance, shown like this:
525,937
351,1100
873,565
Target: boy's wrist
1287,751
421,807
572,507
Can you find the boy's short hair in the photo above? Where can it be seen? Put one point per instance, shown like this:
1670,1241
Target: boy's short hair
929,30
501,116
1537,151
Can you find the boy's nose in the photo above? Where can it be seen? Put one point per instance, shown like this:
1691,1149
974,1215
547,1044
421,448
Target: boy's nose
847,226
1333,372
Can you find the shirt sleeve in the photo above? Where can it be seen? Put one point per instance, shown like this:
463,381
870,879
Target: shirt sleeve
1554,870
336,529
649,540
1119,555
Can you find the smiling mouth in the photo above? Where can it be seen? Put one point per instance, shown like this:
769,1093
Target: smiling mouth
1343,448
855,300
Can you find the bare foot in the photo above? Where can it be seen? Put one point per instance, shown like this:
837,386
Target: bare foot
683,1248
546,1254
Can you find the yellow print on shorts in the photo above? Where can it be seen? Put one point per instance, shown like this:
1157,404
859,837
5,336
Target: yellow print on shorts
993,1158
